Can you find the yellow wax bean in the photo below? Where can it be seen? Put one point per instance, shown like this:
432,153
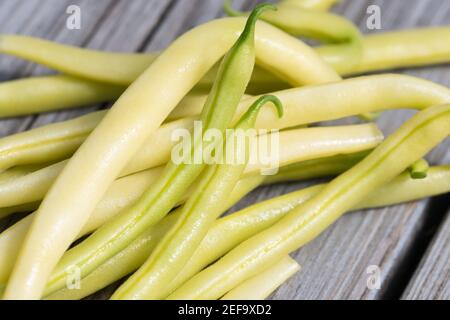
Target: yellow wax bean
384,50
237,227
346,140
293,146
55,141
409,143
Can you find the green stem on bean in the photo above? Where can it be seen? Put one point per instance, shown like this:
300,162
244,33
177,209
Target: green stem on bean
419,169
345,47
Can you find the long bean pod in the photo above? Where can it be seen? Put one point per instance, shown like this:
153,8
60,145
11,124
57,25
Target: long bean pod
161,197
231,230
198,214
404,48
116,68
127,190
145,245
385,91
408,144
77,191
57,141
292,149
293,146
382,51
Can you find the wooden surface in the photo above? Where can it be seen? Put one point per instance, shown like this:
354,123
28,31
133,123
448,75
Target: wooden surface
432,278
408,243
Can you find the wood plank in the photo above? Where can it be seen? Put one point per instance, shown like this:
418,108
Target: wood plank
431,281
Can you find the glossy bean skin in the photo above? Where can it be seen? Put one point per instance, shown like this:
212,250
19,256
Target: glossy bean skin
126,191
53,142
408,144
383,51
293,146
163,204
231,230
198,214
118,145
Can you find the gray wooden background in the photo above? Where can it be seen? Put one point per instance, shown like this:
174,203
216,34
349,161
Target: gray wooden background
408,243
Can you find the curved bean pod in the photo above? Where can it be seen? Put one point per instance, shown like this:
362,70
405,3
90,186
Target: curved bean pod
200,211
293,146
104,154
57,141
161,197
409,143
127,190
331,101
382,51
231,230
385,91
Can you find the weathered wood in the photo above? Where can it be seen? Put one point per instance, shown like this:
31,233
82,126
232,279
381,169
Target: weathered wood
334,264
432,278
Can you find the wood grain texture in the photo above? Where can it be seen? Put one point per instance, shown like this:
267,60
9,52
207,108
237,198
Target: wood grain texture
334,264
432,279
